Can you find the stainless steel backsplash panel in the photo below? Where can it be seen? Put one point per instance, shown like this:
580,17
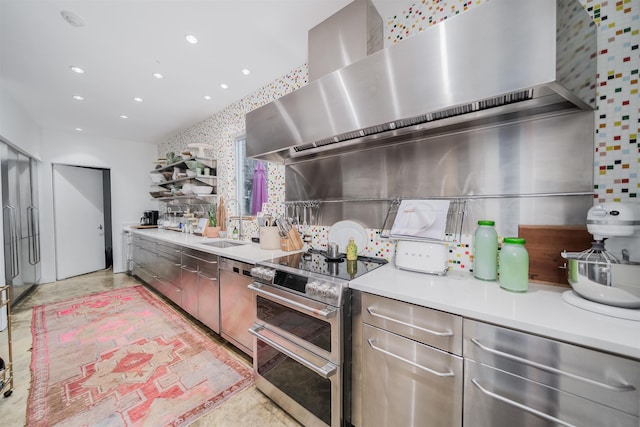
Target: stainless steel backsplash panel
530,158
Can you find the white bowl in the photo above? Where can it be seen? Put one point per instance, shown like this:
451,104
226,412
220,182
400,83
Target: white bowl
202,189
156,177
187,188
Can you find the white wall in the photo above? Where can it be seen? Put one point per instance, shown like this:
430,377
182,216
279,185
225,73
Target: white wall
129,162
17,128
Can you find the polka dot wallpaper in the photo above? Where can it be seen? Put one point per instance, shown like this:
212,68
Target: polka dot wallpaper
616,146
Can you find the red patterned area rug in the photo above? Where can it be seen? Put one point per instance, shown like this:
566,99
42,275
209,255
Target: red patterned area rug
124,358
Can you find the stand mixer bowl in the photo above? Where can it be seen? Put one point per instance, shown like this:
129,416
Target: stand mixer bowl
604,282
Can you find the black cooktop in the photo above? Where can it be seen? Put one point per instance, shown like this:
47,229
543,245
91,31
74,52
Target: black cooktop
317,261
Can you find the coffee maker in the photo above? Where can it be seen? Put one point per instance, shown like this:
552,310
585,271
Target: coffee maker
149,218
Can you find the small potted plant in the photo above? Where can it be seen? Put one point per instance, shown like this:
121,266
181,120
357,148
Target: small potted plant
212,229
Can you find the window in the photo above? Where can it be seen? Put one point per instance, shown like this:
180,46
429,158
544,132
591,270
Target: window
244,175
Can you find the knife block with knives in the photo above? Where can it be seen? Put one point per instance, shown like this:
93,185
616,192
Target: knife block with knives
289,237
292,242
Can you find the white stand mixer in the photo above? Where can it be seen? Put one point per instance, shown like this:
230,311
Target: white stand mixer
619,224
609,272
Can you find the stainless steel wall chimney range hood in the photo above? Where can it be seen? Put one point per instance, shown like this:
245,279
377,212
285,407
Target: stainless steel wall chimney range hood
501,61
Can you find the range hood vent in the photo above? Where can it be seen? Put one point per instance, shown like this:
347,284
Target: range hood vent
484,104
521,59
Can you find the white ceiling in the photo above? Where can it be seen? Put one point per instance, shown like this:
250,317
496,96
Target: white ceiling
124,41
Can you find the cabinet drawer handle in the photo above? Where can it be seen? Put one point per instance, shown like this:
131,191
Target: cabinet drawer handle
414,364
184,267
520,405
429,331
622,387
206,276
169,259
200,259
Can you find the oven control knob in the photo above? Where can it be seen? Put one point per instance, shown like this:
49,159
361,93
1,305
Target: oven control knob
268,273
313,288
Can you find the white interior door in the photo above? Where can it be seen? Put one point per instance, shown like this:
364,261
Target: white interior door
78,205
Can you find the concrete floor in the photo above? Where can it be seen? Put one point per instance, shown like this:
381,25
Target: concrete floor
248,408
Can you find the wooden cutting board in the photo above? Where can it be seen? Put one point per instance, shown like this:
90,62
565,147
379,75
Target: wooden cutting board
544,244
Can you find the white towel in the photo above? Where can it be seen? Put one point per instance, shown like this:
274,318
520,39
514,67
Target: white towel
421,218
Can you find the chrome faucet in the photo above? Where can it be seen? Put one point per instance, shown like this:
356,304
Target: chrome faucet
240,233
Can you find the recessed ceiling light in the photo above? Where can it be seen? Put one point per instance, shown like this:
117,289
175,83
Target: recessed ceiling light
138,99
77,69
124,117
191,38
224,86
207,97
245,71
158,76
72,18
79,129
78,98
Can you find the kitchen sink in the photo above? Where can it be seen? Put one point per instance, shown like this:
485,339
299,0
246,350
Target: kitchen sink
223,244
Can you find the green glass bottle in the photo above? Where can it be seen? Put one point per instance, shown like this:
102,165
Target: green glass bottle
352,250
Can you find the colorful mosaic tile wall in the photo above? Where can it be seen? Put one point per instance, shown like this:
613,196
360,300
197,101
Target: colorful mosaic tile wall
617,150
222,129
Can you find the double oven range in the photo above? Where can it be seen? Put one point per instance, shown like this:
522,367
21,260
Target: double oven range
302,350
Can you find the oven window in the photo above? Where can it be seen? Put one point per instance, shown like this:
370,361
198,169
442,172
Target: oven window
298,382
310,329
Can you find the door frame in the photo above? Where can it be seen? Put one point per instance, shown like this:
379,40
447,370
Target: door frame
107,206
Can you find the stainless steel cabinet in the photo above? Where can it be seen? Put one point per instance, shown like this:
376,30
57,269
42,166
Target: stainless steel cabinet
143,254
189,284
406,380
200,289
514,378
237,304
168,270
158,264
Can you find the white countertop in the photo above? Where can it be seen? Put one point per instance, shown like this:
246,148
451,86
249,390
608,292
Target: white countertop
248,252
540,311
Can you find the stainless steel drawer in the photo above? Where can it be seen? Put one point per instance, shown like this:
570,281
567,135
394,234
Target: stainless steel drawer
168,267
432,327
143,256
142,273
406,383
169,249
494,398
206,262
604,378
168,289
142,241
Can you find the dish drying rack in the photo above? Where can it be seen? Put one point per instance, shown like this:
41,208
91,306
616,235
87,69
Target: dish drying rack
453,229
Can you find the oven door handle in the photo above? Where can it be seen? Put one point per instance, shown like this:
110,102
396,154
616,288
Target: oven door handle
325,371
326,314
